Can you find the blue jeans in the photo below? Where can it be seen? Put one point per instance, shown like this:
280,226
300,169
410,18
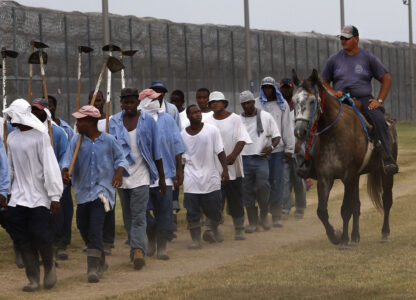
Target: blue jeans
276,169
292,180
232,191
162,221
196,204
134,206
256,186
29,227
90,222
62,222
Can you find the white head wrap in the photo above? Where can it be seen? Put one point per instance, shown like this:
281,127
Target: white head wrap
20,112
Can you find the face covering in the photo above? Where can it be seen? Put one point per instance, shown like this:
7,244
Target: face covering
150,106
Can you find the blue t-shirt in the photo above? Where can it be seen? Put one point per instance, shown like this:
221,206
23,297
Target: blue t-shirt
353,73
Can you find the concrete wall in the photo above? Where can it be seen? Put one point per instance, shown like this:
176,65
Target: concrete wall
184,56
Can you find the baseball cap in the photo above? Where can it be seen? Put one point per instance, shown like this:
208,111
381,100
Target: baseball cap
87,111
349,31
159,84
126,92
217,96
246,96
40,103
268,81
286,81
148,93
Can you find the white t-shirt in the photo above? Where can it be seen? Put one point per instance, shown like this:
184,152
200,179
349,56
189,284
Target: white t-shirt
139,173
270,131
201,175
185,121
232,131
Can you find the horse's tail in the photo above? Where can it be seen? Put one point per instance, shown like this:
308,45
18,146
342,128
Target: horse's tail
375,188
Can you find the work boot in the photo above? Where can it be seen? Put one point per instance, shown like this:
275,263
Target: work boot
212,233
253,219
102,266
93,265
151,242
239,228
18,258
196,238
276,211
107,248
390,166
161,248
31,262
49,279
285,214
138,259
299,213
61,254
264,220
276,222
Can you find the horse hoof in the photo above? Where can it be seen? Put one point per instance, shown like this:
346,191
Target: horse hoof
385,239
344,246
354,244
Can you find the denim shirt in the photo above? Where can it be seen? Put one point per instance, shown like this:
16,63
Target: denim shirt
173,111
60,143
95,167
147,140
65,126
4,171
171,143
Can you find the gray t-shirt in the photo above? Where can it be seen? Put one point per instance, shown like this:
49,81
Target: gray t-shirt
353,73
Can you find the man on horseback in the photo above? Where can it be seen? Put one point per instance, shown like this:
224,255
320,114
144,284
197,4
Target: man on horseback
351,70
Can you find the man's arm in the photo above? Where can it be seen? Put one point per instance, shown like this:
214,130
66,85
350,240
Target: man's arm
179,171
326,84
162,183
384,90
223,160
237,150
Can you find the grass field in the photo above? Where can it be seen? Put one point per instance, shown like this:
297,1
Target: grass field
306,268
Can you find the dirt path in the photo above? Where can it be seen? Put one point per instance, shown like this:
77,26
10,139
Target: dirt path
122,278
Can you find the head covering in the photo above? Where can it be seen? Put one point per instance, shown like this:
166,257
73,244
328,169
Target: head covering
159,84
126,92
349,31
40,103
217,96
148,93
246,96
279,98
19,112
87,111
286,81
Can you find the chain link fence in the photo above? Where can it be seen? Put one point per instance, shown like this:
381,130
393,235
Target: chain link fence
184,56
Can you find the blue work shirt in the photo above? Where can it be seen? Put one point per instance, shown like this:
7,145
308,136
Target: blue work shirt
68,130
94,167
60,143
171,143
4,171
147,140
173,111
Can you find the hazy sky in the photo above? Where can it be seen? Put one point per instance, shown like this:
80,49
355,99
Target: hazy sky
375,19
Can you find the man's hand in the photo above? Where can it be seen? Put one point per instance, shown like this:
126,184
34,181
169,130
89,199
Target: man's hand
287,157
117,180
224,177
162,186
298,146
55,208
65,176
339,94
179,178
3,203
373,104
230,159
266,151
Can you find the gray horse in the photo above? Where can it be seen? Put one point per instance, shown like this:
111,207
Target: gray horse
342,151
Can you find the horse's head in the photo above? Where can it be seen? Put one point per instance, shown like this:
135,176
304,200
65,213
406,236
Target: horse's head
307,104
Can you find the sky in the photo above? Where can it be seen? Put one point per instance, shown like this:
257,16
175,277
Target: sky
385,20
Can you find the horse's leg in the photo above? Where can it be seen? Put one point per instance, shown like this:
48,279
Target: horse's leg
387,203
324,187
347,208
356,211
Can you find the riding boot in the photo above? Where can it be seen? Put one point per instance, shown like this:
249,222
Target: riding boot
253,219
239,228
151,242
195,231
31,262
50,279
161,248
18,258
390,166
93,265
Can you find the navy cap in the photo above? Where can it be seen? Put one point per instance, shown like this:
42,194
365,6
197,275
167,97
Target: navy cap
159,85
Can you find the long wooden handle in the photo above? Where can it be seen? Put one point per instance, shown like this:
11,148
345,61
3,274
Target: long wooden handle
71,167
107,115
79,94
51,133
5,134
29,97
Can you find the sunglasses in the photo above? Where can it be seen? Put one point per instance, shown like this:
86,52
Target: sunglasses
344,38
